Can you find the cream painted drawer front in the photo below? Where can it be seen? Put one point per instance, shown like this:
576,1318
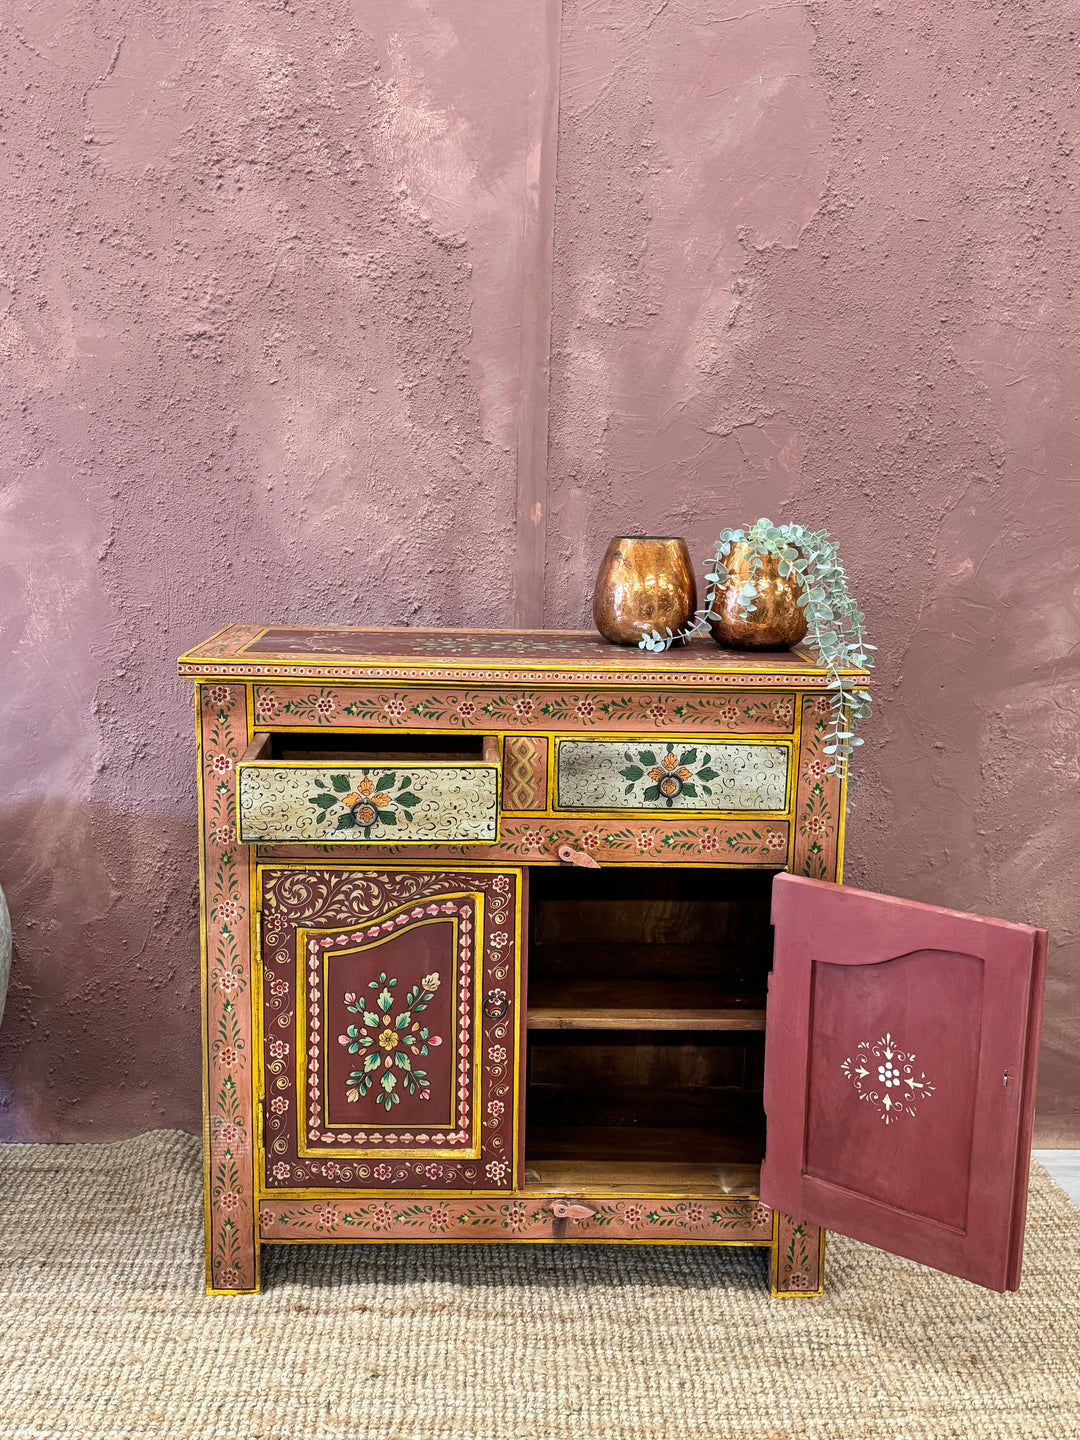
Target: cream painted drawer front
671,774
375,805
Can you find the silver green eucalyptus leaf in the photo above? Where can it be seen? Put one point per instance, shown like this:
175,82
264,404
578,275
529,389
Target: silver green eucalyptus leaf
834,622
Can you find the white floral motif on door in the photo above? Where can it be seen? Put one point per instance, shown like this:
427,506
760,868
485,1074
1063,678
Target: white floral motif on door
886,1078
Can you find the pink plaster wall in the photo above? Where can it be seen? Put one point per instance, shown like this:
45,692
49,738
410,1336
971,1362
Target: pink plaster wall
276,287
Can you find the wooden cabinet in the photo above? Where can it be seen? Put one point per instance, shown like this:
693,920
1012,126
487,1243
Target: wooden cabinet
489,955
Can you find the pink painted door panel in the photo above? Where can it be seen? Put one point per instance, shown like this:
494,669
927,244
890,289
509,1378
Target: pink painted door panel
390,1028
900,1054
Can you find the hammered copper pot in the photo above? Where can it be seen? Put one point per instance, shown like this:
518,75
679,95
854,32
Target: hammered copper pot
645,583
776,623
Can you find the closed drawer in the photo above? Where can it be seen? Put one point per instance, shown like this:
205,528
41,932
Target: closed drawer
369,794
673,773
708,1219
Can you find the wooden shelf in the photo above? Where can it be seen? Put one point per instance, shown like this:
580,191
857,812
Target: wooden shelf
641,1005
636,1177
617,960
644,1144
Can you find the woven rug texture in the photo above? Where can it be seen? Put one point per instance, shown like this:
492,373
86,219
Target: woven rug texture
105,1331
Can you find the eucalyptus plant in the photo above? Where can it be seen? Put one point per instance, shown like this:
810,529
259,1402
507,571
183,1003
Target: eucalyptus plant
834,623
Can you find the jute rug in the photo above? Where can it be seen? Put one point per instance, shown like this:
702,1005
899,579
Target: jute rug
104,1331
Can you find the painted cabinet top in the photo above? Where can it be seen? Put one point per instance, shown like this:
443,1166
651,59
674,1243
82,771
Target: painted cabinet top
561,655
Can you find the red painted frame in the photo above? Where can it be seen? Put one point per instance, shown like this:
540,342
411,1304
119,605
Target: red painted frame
817,922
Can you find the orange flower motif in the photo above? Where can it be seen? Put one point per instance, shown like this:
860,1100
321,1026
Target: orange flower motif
669,765
366,802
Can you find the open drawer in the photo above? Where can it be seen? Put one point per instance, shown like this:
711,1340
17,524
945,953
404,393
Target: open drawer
369,789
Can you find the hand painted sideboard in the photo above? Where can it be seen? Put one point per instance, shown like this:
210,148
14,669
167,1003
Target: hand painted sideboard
521,936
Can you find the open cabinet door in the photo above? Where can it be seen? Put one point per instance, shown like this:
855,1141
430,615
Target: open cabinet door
901,1048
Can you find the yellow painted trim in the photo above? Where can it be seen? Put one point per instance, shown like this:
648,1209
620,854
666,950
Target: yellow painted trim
712,684
204,996
841,828
255,976
521,943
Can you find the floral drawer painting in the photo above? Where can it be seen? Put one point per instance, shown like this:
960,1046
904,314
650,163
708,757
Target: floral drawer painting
417,805
690,774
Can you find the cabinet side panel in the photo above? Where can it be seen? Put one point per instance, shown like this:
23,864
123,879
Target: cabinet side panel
232,1259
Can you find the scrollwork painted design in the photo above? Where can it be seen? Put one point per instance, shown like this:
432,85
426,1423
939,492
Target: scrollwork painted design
885,1078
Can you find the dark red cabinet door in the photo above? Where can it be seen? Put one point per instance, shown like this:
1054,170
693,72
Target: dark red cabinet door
900,1054
391,1024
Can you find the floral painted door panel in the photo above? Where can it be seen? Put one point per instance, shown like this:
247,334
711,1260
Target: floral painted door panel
672,774
391,1016
900,1053
410,803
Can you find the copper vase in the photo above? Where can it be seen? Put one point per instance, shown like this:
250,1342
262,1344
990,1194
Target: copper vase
645,583
777,621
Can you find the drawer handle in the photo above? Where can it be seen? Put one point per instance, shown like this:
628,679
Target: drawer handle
569,856
568,1210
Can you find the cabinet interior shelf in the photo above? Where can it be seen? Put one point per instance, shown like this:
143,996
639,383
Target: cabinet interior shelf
568,1177
655,1004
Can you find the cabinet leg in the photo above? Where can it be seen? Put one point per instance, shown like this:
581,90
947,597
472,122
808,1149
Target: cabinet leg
230,969
232,1241
798,1257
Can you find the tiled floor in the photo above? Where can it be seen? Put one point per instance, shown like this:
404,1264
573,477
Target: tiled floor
1064,1166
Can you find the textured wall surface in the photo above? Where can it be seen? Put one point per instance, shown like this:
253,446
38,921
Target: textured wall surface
818,262
260,299
276,286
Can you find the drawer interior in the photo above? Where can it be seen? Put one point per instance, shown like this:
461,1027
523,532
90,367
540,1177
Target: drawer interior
382,748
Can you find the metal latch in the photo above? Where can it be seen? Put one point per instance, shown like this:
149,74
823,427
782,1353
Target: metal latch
569,856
